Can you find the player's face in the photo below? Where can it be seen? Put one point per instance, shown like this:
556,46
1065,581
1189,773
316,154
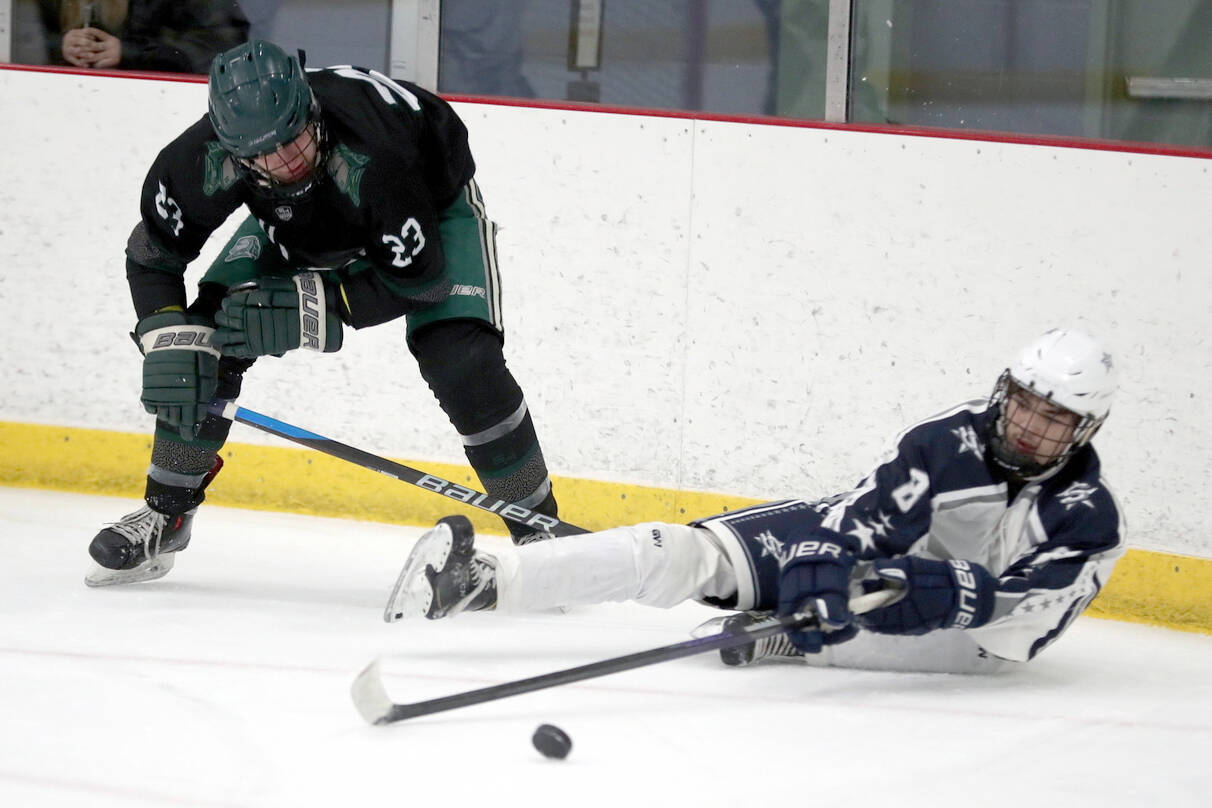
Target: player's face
291,162
1037,428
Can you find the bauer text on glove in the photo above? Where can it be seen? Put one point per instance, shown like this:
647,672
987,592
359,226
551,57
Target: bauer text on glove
180,368
279,315
938,594
815,577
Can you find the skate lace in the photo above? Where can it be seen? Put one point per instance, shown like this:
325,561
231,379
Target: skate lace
530,538
778,645
775,645
144,526
482,573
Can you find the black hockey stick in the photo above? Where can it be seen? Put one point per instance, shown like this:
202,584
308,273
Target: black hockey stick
460,493
372,701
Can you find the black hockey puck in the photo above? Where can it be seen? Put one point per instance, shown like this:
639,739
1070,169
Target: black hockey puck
552,741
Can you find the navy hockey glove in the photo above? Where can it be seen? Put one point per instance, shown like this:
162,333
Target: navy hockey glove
275,315
938,594
180,368
816,578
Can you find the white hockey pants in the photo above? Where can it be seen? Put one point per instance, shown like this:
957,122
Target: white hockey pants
660,564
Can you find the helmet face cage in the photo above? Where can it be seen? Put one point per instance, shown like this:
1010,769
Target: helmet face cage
1054,431
270,186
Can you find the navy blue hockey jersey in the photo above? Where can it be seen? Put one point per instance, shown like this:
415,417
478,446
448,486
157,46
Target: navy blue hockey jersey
1052,546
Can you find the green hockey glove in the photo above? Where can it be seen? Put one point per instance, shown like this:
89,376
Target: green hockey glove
277,315
180,368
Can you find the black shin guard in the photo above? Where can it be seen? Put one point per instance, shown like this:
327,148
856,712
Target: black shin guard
463,365
173,493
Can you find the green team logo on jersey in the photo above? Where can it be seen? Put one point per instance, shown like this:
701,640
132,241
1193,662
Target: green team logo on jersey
220,170
346,168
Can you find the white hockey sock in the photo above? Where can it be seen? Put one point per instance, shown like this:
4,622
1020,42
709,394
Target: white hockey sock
653,563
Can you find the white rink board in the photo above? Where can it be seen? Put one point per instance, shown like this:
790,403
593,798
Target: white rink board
702,305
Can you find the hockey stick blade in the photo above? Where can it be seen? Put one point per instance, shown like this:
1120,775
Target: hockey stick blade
398,471
376,706
369,695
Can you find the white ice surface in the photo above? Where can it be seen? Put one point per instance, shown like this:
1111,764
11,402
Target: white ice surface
227,684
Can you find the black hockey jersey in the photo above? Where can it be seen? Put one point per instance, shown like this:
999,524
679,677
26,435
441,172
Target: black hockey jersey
396,157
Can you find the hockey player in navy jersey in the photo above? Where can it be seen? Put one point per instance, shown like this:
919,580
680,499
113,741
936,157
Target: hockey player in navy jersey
992,517
363,210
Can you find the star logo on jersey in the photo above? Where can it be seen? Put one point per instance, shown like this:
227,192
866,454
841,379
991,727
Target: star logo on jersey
882,524
169,210
865,533
1078,493
968,441
771,546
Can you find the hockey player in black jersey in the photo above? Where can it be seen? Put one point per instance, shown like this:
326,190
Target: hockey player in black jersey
363,209
992,517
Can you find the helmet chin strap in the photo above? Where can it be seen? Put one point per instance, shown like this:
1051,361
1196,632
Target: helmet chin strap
1019,467
281,192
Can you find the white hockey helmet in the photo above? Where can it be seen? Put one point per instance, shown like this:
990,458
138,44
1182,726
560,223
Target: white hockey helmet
1066,368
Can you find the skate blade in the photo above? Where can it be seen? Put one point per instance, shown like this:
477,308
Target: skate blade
150,570
412,594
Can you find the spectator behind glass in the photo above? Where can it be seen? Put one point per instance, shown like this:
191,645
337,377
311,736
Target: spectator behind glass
177,36
482,48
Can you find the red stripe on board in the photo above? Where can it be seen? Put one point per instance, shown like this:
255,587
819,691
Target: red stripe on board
112,74
1055,141
1059,141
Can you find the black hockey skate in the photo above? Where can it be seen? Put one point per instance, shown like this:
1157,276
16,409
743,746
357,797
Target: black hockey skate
141,545
777,646
138,547
444,575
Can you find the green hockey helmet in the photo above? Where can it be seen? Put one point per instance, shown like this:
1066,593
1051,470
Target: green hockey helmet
259,98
